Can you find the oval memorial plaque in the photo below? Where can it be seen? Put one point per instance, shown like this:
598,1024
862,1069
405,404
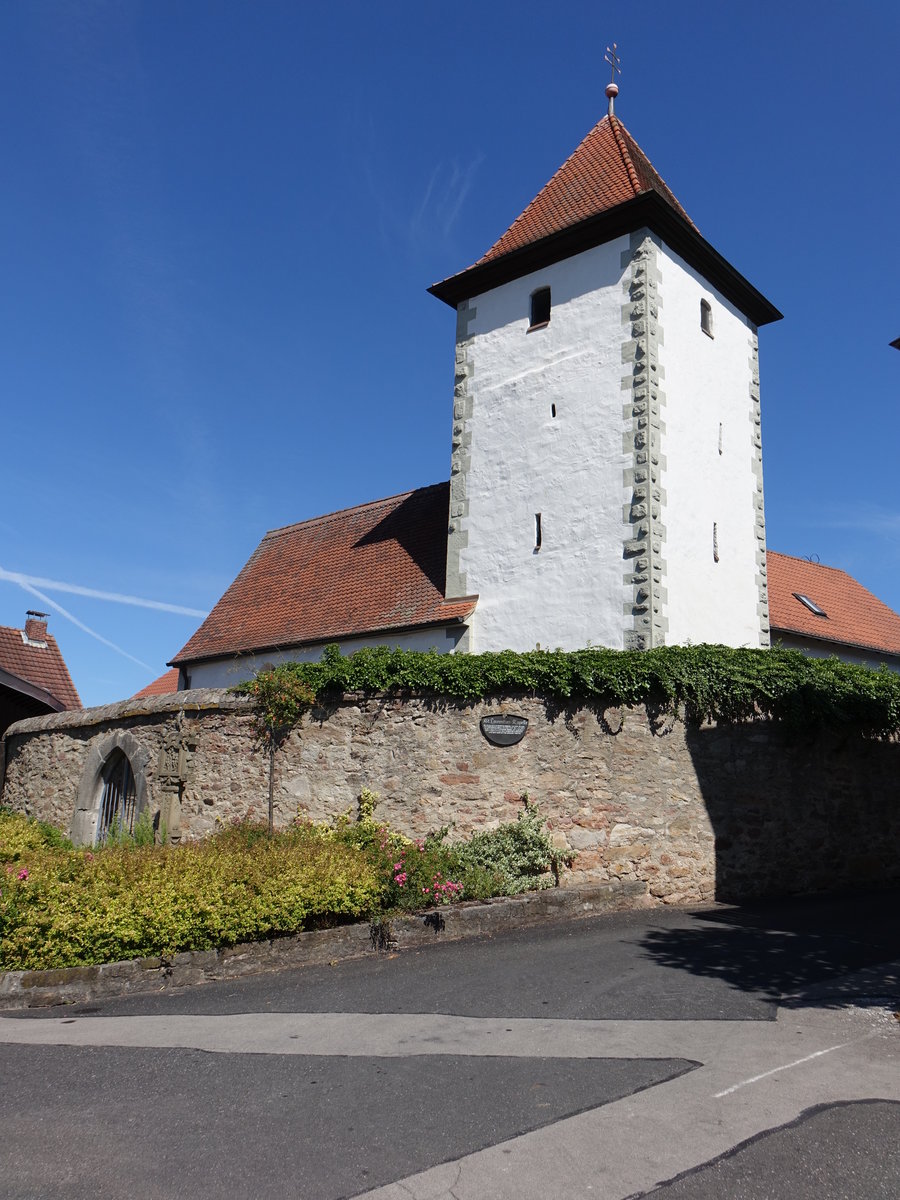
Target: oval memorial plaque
503,730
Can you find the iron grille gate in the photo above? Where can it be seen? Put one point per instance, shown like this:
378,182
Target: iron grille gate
117,801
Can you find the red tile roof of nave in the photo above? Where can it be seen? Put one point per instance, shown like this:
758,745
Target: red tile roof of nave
607,169
855,617
164,686
368,569
42,666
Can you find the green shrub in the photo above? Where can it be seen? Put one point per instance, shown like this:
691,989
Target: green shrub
21,835
517,856
62,909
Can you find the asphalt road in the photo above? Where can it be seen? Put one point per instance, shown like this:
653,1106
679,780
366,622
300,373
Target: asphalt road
734,1052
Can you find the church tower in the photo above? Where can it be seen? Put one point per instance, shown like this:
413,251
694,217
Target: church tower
606,483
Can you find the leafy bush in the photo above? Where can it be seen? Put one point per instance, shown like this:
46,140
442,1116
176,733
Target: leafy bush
515,857
143,833
281,698
20,836
61,909
519,856
708,682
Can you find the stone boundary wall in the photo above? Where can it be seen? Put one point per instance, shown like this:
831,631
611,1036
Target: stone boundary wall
684,813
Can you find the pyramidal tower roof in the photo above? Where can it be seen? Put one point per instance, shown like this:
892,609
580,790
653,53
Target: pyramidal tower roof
607,169
606,188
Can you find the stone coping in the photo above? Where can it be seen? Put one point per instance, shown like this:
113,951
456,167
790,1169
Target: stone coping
194,700
76,985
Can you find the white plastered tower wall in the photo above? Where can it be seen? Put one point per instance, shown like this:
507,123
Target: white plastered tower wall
712,477
648,478
538,429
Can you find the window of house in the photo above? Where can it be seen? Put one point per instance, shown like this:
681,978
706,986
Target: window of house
706,317
117,798
540,308
810,604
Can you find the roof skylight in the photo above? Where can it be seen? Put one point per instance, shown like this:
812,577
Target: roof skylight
810,604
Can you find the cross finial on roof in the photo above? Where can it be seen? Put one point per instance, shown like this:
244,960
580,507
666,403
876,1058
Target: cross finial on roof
612,88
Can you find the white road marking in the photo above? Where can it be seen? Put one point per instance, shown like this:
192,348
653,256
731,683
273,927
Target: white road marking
784,1067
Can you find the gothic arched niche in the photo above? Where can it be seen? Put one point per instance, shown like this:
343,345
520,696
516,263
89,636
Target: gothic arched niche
117,798
113,788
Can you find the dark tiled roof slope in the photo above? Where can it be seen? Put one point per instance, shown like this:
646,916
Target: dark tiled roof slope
854,616
607,169
164,686
41,666
373,568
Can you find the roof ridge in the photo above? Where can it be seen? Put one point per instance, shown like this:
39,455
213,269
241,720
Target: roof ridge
822,566
340,512
618,130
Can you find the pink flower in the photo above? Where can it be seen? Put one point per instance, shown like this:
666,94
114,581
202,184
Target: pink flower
23,874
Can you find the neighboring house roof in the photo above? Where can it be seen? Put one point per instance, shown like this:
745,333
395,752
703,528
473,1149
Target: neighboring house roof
854,616
606,188
164,686
38,664
372,569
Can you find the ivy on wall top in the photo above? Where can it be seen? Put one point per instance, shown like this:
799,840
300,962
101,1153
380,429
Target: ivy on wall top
707,682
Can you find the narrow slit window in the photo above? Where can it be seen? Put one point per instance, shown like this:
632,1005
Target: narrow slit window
715,542
706,322
540,307
552,410
538,532
810,604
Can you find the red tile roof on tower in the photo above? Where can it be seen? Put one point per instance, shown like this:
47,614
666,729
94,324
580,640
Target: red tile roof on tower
376,568
38,663
607,169
163,686
854,617
605,189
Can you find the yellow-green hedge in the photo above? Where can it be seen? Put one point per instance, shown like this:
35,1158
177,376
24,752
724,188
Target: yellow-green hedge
63,908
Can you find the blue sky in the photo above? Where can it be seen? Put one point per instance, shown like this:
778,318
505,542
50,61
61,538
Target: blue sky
219,219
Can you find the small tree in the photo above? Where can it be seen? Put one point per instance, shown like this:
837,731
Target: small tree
281,698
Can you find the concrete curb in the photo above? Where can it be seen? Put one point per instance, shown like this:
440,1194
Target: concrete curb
75,985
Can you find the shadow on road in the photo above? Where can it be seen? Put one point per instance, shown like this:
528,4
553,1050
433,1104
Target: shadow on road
832,951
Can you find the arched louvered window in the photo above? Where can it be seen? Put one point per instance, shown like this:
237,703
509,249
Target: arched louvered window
117,798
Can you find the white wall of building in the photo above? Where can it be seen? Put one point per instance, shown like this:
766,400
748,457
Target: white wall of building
226,672
850,654
569,468
707,410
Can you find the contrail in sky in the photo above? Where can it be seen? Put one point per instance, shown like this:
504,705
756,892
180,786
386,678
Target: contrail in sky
44,599
75,589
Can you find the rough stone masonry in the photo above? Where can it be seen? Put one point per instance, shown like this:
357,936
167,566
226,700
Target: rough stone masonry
690,813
